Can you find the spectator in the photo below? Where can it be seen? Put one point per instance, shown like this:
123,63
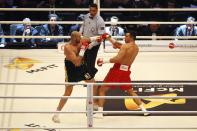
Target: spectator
74,3
193,4
2,3
24,4
25,30
18,15
107,4
2,40
152,30
146,4
114,30
79,4
2,13
10,3
6,3
76,27
117,3
188,29
146,15
51,30
47,4
171,15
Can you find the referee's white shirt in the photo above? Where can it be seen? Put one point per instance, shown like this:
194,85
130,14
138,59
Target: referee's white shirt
92,26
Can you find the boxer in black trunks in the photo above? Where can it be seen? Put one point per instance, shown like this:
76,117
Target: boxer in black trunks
76,69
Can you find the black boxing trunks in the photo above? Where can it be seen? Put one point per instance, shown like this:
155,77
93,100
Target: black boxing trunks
78,73
90,56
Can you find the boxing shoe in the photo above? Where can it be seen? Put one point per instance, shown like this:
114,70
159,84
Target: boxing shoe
56,118
144,109
98,115
146,114
95,107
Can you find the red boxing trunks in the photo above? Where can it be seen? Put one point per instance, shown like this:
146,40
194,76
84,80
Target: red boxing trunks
119,74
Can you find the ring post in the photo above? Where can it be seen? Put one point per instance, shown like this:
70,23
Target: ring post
89,105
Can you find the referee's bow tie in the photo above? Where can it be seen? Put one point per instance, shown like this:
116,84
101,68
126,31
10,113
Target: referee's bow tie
91,17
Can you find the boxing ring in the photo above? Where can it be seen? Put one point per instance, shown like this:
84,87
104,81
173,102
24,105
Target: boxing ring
31,84
23,103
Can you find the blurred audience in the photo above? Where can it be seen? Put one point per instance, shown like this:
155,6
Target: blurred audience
74,3
48,4
6,3
76,27
153,30
107,3
113,29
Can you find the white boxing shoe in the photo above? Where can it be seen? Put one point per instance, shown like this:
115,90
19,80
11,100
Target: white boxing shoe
95,107
144,109
56,119
146,114
98,115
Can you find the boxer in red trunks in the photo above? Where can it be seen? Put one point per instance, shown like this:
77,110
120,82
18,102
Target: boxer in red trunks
120,72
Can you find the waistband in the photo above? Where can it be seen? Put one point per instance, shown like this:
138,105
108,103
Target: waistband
121,67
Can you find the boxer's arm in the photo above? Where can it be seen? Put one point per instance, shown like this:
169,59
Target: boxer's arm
94,41
116,59
115,43
84,46
70,55
119,56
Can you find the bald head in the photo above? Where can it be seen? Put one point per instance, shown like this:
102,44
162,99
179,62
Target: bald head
75,37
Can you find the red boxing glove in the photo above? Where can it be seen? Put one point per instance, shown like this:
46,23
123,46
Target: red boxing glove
100,61
99,39
105,36
84,46
96,38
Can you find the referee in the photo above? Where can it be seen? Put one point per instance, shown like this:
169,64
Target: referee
93,25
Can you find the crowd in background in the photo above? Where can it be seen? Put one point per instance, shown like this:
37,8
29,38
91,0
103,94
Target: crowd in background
152,29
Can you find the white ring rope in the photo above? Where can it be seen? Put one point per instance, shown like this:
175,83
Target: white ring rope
56,37
41,22
80,22
47,112
108,112
101,9
99,83
148,9
96,97
166,37
99,127
45,9
121,37
152,112
74,83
